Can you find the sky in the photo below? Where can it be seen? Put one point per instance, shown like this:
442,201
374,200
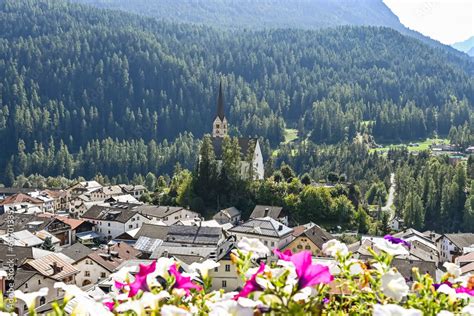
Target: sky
447,21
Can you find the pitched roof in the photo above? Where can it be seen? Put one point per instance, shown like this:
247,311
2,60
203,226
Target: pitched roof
77,251
262,227
461,240
109,213
22,221
228,212
21,254
115,255
244,144
157,211
274,212
147,244
22,238
112,190
314,233
195,235
130,188
20,198
22,276
53,266
152,231
467,268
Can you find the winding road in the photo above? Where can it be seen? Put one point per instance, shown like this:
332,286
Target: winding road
391,197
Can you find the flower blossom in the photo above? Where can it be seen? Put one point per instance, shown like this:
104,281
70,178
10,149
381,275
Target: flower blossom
204,267
309,274
397,241
391,248
395,310
182,282
452,269
394,285
251,285
171,310
231,307
335,247
254,246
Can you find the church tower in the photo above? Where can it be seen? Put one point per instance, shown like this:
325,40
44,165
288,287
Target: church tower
219,127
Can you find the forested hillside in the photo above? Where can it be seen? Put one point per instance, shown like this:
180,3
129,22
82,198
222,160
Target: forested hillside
85,90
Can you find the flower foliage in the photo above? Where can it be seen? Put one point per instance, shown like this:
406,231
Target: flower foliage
284,284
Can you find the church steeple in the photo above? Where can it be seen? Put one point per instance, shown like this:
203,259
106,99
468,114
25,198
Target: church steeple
220,103
219,127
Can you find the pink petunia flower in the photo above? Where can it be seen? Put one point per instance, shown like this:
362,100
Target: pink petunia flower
140,279
251,285
465,290
182,282
309,274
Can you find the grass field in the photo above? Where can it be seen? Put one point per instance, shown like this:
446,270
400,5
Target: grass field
413,145
291,135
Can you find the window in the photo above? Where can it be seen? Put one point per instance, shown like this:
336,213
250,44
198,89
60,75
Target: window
265,243
42,300
87,273
39,282
103,275
307,247
224,283
26,285
109,231
227,267
299,247
217,125
216,269
130,226
108,224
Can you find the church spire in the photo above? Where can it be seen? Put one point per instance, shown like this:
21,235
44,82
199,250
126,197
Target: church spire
219,126
220,103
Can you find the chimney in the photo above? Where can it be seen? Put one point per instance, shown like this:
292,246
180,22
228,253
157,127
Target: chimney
265,214
56,268
280,227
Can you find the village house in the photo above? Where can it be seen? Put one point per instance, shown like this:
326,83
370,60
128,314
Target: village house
270,232
184,242
225,276
21,203
275,212
229,215
134,190
99,264
34,224
111,221
53,266
167,214
308,237
451,246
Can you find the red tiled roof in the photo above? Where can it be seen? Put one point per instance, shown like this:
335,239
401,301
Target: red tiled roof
109,261
20,198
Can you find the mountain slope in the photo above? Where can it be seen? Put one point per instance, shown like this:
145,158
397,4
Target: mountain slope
466,46
77,75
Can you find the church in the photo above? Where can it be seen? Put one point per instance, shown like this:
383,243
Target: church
220,129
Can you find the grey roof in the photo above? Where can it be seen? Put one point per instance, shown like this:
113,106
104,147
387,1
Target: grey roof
461,240
228,212
184,253
157,211
21,254
22,276
130,188
405,267
314,233
196,235
77,251
152,231
274,212
244,144
262,227
109,213
147,244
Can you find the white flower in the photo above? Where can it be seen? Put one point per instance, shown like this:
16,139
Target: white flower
149,299
449,291
468,310
445,313
394,285
335,247
124,275
171,310
30,298
70,289
204,267
391,249
304,294
230,307
88,307
162,267
255,246
132,305
452,269
395,310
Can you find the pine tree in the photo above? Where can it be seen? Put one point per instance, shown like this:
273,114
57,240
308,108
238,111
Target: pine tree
48,244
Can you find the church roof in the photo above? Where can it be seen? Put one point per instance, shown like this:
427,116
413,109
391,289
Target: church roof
220,103
244,144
